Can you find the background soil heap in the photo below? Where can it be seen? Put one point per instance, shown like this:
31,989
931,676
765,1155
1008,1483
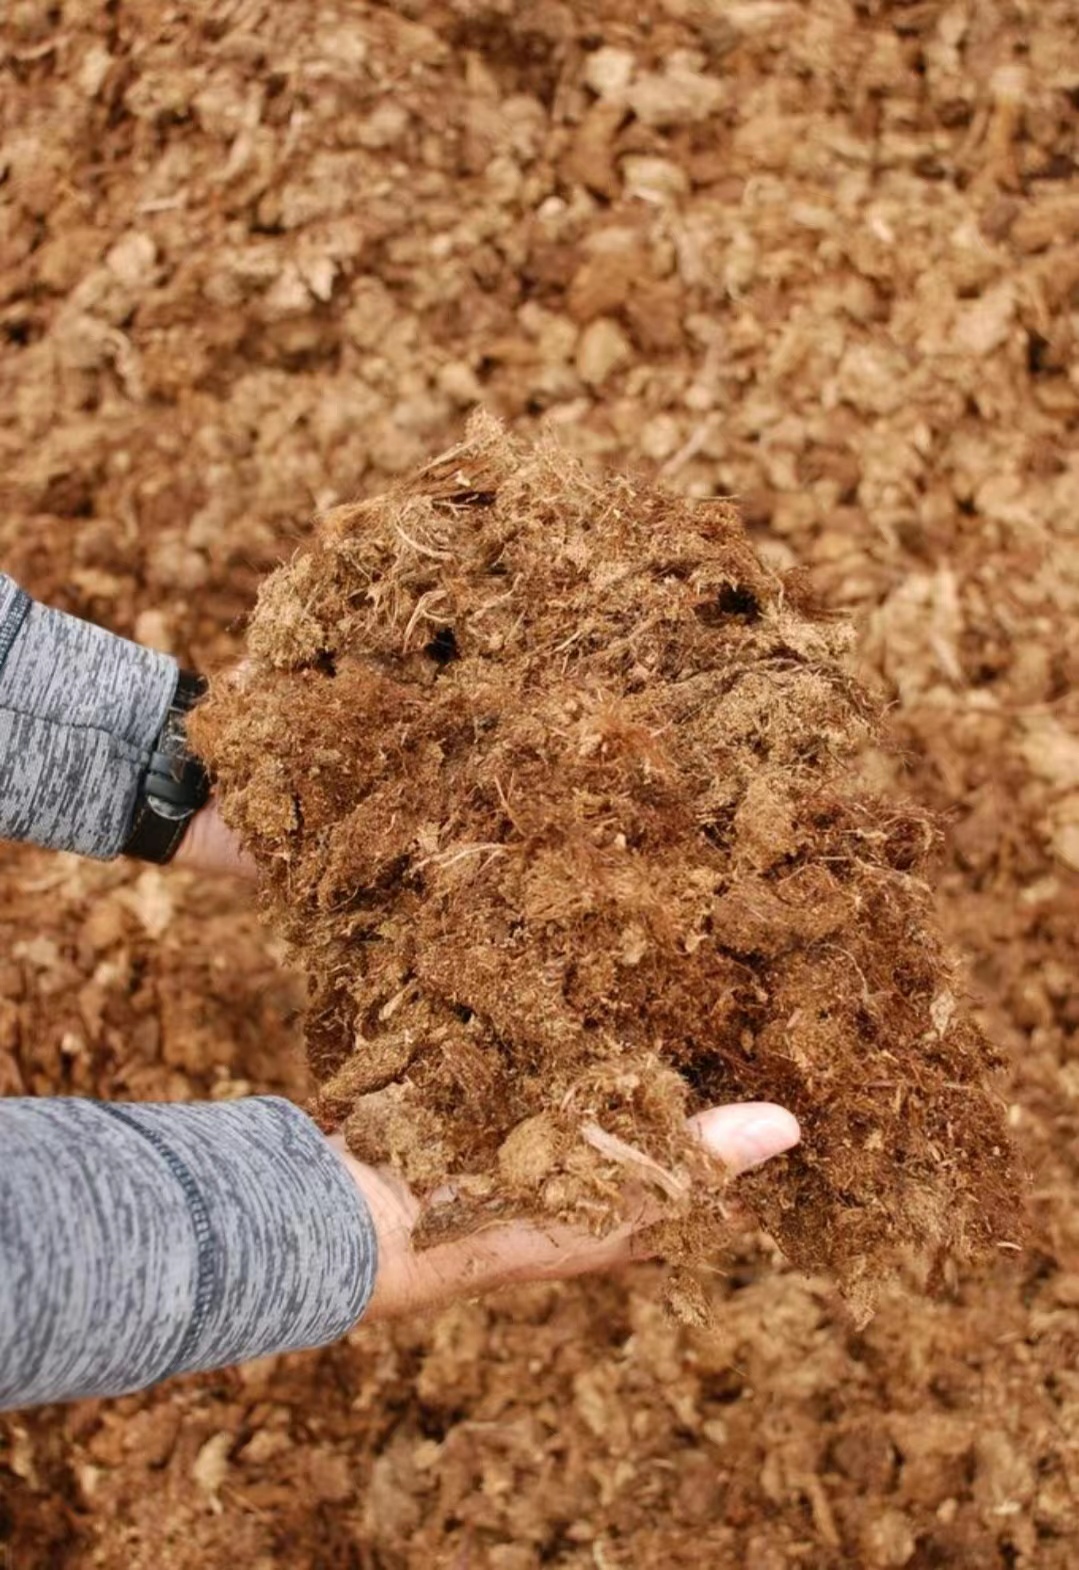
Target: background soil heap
546,777
822,257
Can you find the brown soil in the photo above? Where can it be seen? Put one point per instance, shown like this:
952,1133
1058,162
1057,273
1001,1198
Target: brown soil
255,259
549,783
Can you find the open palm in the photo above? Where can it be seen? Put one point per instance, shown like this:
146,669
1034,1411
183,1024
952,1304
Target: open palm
409,1281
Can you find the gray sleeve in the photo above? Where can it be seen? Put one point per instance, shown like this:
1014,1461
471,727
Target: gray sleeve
138,1242
79,711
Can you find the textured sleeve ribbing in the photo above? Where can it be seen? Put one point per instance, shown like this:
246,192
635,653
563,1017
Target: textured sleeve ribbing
79,711
137,1242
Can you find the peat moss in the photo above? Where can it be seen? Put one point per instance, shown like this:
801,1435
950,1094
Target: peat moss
549,781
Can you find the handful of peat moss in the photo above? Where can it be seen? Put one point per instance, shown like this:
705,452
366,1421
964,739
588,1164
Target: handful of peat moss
547,778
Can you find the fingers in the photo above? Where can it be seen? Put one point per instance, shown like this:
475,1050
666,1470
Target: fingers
746,1133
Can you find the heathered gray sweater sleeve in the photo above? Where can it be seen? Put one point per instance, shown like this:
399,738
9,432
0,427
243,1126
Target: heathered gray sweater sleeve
79,712
142,1241
138,1242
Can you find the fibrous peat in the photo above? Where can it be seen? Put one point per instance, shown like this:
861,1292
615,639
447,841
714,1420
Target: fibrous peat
550,783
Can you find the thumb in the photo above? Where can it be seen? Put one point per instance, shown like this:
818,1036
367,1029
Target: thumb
747,1133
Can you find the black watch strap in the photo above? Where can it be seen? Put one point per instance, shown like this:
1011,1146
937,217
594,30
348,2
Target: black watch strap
175,784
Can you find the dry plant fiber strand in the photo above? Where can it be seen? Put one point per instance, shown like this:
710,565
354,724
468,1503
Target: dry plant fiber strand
550,781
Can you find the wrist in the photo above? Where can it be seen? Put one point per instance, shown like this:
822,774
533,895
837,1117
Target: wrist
174,787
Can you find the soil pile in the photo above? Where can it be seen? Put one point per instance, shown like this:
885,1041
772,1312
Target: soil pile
549,780
821,257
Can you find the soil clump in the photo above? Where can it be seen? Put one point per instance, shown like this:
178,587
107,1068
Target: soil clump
549,780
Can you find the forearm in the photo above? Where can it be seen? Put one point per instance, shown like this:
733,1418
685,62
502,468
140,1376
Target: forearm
138,1242
79,712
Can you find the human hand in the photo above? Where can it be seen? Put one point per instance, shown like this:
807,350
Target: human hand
737,1137
209,845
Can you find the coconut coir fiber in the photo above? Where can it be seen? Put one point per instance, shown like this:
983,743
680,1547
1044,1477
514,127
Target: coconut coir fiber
549,782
